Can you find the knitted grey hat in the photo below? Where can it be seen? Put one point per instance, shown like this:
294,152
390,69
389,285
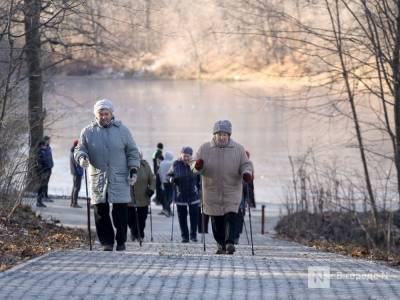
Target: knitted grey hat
223,126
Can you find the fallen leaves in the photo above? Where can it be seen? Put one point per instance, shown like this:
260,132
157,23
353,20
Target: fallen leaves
26,235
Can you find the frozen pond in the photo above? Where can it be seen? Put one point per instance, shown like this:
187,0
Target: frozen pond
180,113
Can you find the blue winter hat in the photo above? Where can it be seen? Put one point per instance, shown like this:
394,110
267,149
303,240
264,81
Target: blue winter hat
223,126
187,150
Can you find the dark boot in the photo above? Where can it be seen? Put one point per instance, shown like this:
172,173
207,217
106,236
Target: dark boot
39,203
220,249
230,248
121,247
75,205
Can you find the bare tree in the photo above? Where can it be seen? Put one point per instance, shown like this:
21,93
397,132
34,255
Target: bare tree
32,11
30,30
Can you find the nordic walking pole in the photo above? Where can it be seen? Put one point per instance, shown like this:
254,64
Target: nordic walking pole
151,223
245,229
173,215
136,217
88,212
203,225
251,229
137,227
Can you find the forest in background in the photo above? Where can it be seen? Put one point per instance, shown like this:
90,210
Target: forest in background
209,39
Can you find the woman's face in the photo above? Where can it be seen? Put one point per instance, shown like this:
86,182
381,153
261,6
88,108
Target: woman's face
186,158
221,138
104,117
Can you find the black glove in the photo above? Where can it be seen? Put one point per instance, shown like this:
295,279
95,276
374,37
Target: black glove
132,172
132,176
149,192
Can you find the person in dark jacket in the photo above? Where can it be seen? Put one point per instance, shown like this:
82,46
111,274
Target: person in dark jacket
240,215
187,194
157,159
77,173
44,165
247,199
251,200
46,140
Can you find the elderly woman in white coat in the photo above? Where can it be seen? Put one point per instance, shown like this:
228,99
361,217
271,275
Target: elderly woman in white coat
223,164
106,146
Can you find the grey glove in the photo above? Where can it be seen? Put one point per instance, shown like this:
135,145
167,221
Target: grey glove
132,176
84,162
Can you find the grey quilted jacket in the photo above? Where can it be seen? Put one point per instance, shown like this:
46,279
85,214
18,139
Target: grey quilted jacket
111,152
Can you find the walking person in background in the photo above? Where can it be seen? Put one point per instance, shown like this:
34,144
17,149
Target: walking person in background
247,199
44,164
223,164
251,199
157,159
46,140
240,217
166,185
141,193
107,147
187,194
77,173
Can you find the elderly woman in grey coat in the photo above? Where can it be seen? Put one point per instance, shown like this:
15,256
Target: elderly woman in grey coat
108,149
223,164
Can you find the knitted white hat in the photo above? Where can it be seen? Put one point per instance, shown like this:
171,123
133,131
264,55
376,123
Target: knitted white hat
103,104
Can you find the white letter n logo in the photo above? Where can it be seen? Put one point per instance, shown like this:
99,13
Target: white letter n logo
319,277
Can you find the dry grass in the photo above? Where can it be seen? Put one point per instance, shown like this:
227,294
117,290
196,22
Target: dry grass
340,232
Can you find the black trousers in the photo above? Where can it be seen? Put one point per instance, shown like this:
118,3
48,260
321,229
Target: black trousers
239,223
104,227
182,218
168,196
44,178
142,217
77,180
46,186
223,228
159,193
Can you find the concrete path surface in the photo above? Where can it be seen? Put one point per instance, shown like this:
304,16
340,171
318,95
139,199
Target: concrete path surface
165,269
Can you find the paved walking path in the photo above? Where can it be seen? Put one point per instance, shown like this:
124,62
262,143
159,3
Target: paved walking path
170,270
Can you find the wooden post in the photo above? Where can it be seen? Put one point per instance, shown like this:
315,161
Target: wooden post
263,219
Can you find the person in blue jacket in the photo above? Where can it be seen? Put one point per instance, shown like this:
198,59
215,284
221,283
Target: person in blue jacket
187,194
44,164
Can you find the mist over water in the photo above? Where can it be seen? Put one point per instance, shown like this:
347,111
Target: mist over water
180,113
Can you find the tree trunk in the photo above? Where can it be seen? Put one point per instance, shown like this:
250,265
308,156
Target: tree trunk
32,10
396,92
